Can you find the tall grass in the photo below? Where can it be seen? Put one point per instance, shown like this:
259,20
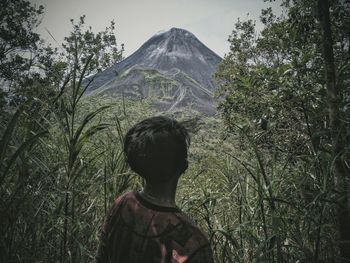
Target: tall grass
258,204
59,177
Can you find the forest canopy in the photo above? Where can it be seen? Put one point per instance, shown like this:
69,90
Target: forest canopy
269,173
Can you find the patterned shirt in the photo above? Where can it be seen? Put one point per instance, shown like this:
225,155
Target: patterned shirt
136,230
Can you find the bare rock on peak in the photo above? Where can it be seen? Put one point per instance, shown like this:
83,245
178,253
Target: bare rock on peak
181,64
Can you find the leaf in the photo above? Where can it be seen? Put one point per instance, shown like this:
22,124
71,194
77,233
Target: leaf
8,134
85,121
21,149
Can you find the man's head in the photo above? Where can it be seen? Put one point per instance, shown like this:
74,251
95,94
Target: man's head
156,149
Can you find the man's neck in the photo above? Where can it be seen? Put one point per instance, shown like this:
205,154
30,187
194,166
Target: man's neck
162,194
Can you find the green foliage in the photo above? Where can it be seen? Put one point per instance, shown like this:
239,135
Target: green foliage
274,101
97,51
48,160
259,181
18,19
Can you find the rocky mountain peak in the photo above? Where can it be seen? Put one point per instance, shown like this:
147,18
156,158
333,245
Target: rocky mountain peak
179,32
180,60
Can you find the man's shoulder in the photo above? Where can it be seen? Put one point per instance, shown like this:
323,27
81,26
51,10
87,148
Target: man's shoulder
119,202
198,236
185,217
181,226
124,196
191,241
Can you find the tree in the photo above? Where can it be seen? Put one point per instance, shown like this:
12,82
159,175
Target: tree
274,98
44,141
99,49
18,41
337,130
85,53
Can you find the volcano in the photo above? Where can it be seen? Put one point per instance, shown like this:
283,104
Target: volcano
173,68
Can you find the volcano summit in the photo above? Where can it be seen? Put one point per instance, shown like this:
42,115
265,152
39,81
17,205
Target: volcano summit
172,68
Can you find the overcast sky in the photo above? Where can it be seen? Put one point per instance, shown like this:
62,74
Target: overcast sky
137,20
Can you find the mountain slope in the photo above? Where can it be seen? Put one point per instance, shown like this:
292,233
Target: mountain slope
174,68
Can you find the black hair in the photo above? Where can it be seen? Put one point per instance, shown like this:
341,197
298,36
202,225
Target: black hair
156,148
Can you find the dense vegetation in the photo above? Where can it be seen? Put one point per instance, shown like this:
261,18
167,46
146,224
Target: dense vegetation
268,180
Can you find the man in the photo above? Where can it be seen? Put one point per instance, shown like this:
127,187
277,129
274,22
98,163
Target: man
147,226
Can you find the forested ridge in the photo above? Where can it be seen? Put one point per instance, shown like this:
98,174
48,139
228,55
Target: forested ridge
269,173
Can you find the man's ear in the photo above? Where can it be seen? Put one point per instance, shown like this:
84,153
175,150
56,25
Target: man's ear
184,166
